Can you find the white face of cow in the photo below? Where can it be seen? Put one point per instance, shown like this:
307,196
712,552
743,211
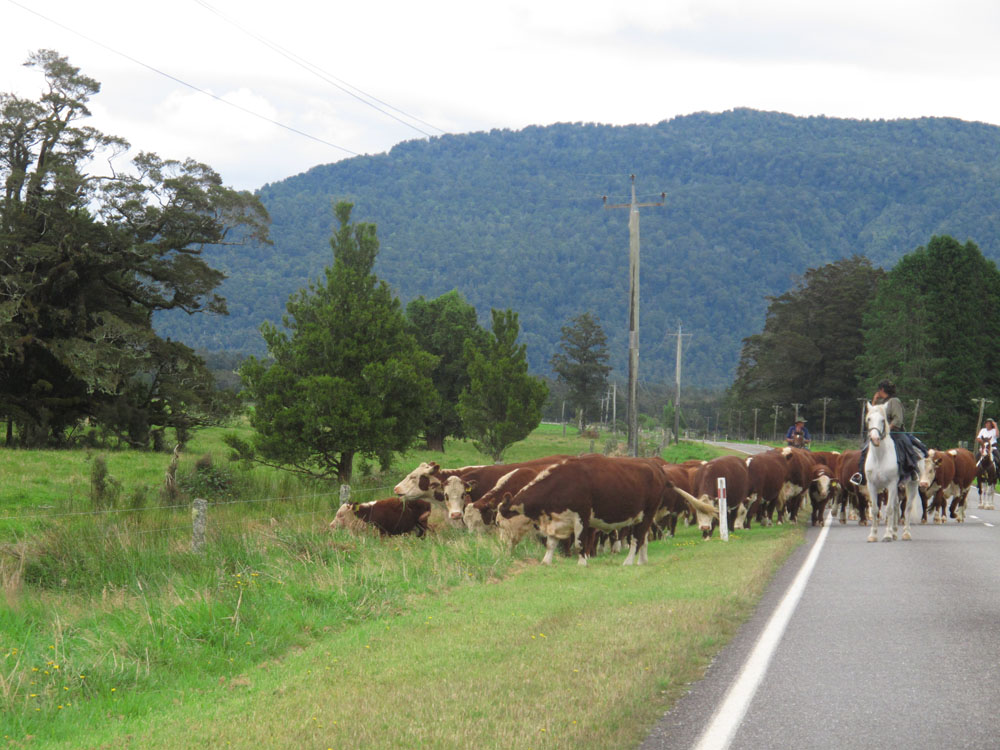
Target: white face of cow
473,519
455,496
421,483
515,528
821,487
346,519
704,518
926,468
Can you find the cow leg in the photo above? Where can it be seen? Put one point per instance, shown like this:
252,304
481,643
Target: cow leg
631,551
551,543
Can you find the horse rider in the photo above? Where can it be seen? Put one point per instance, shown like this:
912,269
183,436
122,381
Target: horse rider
798,434
988,434
909,450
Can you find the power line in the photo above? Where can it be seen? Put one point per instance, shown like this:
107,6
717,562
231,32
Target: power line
184,83
323,75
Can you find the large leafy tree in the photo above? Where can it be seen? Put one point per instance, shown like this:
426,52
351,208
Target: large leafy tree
347,377
502,403
933,330
807,352
441,327
582,364
87,258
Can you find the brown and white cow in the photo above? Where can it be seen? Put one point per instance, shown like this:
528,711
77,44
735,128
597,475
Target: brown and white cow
765,477
704,489
965,475
822,487
936,476
849,495
481,514
427,482
572,497
390,517
798,479
674,504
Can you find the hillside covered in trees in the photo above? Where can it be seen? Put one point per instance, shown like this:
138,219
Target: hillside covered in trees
515,220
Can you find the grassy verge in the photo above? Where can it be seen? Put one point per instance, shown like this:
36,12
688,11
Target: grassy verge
110,627
553,657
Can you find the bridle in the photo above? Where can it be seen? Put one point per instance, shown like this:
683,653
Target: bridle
879,432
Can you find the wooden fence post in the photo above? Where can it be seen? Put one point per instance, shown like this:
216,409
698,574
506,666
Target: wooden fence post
345,494
199,517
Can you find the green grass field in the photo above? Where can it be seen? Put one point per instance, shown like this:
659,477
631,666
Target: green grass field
283,634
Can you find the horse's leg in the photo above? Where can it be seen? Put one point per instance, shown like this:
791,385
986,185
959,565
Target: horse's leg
873,508
911,497
891,512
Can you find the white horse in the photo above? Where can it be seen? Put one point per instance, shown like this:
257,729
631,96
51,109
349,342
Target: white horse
882,473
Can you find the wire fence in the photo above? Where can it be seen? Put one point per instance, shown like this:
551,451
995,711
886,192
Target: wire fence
288,507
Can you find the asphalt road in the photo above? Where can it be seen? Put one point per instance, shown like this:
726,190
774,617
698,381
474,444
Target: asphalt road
891,645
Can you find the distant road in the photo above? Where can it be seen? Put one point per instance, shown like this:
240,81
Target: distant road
891,645
749,448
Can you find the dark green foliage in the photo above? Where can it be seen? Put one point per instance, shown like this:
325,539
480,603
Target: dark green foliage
347,377
514,220
933,330
502,403
86,260
582,365
442,326
808,349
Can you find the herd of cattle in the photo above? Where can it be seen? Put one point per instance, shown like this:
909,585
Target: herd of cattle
584,499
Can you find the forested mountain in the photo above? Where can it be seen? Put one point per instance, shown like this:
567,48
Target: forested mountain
515,219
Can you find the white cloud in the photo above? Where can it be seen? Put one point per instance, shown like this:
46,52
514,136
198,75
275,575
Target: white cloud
470,66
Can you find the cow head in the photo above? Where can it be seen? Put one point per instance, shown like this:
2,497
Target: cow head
927,468
421,483
821,484
456,496
513,524
474,519
704,511
347,518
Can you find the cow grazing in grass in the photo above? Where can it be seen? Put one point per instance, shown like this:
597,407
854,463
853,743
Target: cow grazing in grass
481,514
427,482
390,517
704,490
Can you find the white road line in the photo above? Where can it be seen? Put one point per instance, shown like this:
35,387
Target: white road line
720,730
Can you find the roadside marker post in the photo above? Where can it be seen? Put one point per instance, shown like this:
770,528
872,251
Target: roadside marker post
723,509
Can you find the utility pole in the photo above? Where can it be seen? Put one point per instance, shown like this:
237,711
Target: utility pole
796,410
982,408
913,422
633,313
614,409
677,377
777,408
864,403
826,400
755,410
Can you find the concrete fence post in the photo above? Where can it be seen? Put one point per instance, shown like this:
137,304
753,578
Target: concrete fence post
199,518
723,509
345,494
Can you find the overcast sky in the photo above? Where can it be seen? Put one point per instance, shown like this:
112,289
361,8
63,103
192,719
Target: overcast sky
460,66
